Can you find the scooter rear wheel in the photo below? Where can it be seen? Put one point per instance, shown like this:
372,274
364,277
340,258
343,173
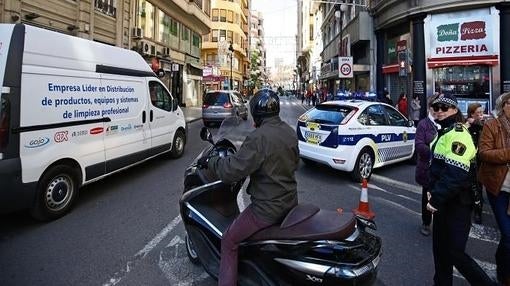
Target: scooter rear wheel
190,250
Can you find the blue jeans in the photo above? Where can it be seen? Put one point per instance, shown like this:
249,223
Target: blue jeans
499,205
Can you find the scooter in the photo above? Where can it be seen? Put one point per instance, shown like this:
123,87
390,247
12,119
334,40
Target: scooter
311,246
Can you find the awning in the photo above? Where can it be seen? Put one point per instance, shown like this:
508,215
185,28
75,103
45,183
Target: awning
490,60
390,69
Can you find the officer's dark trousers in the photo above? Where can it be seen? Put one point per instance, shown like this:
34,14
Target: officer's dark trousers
246,224
450,234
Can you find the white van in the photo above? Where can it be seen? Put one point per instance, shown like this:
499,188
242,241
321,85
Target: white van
72,112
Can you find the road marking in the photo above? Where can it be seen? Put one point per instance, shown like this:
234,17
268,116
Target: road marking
477,231
140,255
488,267
401,185
176,267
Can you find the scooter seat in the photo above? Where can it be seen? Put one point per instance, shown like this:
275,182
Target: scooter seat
308,222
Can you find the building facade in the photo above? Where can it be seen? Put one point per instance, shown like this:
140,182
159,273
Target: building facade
447,46
225,48
166,33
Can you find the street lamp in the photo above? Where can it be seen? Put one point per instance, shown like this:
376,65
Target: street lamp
231,49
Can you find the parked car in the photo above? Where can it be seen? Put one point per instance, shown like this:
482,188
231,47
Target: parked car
220,104
355,136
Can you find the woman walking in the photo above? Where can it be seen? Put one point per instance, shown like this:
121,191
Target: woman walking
425,133
494,155
450,197
415,109
474,124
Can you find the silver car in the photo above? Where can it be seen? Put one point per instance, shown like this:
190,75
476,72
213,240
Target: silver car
220,104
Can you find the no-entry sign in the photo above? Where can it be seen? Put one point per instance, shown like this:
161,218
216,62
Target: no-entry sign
345,67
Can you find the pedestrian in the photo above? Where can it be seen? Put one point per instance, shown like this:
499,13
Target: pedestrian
415,109
387,98
302,97
402,104
314,98
474,123
494,174
270,156
450,198
426,131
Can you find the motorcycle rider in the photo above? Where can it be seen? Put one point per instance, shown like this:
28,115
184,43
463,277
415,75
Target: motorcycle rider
270,156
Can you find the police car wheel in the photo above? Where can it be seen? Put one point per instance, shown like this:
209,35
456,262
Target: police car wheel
56,192
178,144
364,165
190,250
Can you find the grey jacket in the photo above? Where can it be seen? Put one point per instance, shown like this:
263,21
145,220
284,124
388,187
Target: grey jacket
270,156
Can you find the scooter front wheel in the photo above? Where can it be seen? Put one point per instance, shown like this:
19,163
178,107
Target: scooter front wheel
190,250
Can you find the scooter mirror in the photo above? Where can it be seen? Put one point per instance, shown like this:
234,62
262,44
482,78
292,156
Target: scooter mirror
206,135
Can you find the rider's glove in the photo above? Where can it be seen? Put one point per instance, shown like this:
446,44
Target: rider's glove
203,162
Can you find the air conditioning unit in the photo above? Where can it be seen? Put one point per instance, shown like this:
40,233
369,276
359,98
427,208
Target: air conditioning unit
145,48
136,33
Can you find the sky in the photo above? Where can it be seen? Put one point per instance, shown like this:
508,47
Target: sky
280,26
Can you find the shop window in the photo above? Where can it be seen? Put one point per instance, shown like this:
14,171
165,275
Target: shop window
463,81
108,7
215,15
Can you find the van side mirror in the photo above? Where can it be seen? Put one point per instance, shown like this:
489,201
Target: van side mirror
160,73
410,123
175,104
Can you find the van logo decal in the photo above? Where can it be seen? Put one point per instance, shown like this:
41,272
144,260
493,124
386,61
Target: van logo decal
138,126
113,129
61,136
126,128
96,130
39,142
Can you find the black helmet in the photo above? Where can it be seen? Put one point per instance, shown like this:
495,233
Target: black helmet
265,103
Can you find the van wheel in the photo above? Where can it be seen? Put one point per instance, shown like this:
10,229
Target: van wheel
178,144
190,250
364,165
56,192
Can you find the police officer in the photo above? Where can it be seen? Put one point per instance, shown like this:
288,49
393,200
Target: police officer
270,156
450,197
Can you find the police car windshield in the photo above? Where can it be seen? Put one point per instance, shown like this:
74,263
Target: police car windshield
328,114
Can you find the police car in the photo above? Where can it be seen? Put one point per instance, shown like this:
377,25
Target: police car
355,136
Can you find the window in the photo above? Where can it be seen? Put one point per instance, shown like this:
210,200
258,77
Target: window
311,32
230,16
146,18
160,98
215,14
164,27
108,7
223,35
230,36
196,40
396,119
328,114
215,35
174,27
185,33
373,115
223,15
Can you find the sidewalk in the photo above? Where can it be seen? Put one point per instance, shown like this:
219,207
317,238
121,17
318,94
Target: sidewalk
192,113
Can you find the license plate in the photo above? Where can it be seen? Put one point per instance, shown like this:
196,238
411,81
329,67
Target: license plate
312,137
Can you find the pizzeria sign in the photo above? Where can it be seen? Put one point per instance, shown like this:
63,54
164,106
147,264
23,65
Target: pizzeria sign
463,37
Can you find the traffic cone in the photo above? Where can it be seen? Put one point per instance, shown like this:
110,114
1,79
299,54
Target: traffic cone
363,207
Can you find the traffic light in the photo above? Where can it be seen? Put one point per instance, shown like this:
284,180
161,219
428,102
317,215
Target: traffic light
402,63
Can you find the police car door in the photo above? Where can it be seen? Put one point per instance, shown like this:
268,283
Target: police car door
402,134
162,120
380,131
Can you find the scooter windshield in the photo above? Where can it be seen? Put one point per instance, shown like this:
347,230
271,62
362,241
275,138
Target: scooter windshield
235,130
